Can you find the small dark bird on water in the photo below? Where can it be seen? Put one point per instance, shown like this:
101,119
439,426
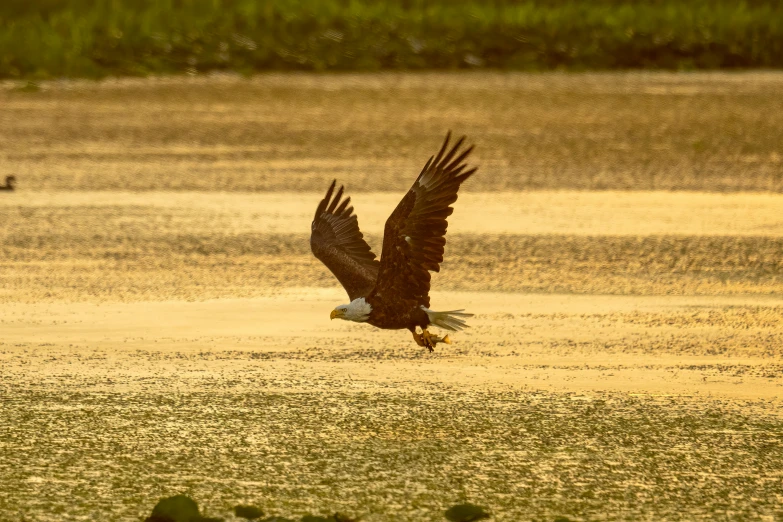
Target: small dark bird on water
9,183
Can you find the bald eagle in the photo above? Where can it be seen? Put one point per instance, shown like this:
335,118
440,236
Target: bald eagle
393,293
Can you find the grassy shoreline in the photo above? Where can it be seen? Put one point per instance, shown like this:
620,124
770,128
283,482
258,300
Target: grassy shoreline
96,38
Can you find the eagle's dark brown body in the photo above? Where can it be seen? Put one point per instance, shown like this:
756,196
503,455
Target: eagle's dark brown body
395,316
396,287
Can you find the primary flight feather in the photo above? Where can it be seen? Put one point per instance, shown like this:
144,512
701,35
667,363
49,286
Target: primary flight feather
393,293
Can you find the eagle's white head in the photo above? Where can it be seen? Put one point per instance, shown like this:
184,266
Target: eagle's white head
357,310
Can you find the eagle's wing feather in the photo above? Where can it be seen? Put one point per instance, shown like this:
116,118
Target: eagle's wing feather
336,240
413,238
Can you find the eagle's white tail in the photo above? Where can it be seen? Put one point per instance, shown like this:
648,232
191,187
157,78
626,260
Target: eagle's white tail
450,320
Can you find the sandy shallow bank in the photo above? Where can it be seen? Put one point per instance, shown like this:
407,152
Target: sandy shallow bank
649,345
603,213
105,246
640,131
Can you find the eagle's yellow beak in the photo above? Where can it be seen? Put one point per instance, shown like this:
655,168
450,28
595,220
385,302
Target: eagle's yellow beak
336,313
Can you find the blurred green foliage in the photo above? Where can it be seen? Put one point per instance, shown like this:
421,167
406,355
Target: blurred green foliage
93,38
466,513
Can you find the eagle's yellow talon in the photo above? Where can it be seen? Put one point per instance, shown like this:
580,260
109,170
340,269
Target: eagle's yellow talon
428,340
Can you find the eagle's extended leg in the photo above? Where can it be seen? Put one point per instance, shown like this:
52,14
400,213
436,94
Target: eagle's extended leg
417,338
428,339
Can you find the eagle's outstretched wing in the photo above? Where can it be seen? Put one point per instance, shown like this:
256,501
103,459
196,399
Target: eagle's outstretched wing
336,240
413,236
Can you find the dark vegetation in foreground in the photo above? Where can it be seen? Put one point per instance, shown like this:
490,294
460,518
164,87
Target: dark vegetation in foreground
181,508
94,38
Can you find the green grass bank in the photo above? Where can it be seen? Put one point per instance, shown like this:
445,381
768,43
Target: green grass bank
94,38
